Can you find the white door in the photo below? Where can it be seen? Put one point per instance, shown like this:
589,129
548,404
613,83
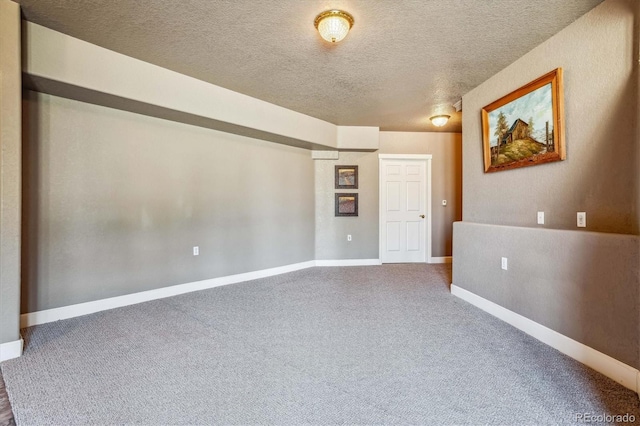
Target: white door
403,210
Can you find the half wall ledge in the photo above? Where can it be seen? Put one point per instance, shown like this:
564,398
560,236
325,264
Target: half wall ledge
580,284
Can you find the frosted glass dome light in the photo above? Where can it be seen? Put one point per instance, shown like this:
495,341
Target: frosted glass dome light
439,120
333,25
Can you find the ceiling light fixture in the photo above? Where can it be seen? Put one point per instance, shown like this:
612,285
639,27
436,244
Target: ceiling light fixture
439,120
333,25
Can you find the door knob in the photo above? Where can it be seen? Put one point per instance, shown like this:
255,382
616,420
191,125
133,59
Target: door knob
422,216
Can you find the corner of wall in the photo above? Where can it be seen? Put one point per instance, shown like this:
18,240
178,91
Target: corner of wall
10,169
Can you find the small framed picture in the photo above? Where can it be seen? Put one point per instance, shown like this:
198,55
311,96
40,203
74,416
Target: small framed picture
346,177
346,204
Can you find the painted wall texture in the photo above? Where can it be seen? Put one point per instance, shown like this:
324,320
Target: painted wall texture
637,50
114,203
582,284
331,231
10,172
599,175
446,176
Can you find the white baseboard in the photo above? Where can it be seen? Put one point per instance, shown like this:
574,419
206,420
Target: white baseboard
443,259
622,373
349,262
65,312
11,350
71,311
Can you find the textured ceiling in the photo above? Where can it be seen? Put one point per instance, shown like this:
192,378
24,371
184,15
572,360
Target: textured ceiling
403,61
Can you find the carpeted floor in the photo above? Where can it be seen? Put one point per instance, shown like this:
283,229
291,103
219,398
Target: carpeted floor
349,345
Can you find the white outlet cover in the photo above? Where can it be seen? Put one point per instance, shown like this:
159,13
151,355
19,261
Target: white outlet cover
540,218
444,202
582,219
196,251
504,263
349,237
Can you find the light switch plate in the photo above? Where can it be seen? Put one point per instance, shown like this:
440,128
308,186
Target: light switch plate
504,263
540,218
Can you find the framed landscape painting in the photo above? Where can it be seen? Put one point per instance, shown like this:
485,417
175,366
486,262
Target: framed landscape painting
525,127
346,204
346,177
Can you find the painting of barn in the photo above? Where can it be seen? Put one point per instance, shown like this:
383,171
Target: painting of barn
521,128
518,130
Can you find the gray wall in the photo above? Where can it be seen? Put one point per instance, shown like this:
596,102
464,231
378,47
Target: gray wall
10,174
115,201
446,178
637,49
331,231
599,175
582,284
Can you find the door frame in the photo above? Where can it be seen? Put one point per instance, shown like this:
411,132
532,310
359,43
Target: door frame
382,212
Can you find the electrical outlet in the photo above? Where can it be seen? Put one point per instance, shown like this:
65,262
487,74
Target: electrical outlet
349,237
444,202
504,263
582,219
540,218
196,251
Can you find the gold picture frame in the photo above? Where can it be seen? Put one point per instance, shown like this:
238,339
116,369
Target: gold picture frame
509,141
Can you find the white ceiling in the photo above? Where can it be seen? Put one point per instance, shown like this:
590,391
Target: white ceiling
403,61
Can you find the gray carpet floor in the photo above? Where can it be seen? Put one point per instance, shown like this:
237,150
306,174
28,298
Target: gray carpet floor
349,345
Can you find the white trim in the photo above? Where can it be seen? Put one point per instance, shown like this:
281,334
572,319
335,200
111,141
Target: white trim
429,236
11,350
349,262
622,373
405,156
86,308
381,212
443,259
50,315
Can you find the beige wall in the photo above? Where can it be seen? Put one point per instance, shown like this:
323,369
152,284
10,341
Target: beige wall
115,201
65,66
637,58
446,178
10,170
582,284
331,231
599,175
